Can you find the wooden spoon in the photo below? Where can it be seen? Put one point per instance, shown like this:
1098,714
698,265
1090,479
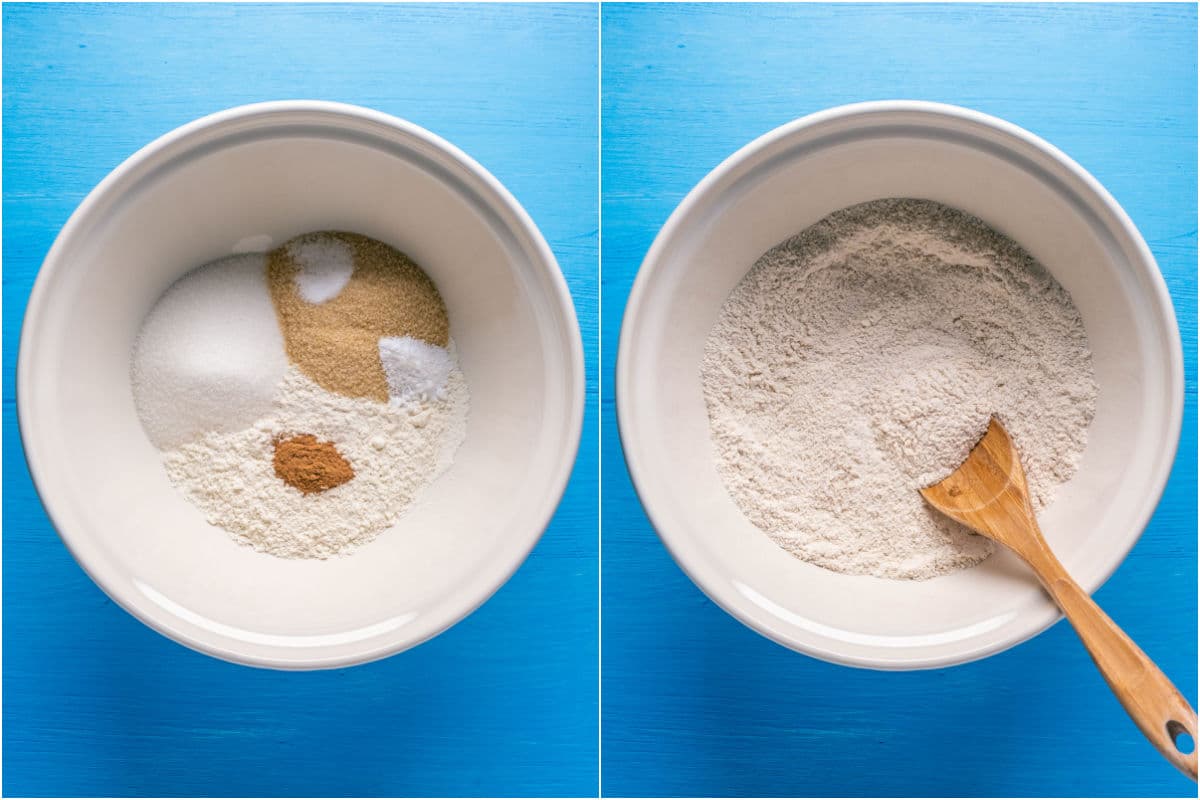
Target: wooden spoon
989,495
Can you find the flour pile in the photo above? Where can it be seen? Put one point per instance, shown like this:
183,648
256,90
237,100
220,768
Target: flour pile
862,359
396,451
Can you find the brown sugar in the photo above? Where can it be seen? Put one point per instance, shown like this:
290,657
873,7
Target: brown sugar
336,343
310,465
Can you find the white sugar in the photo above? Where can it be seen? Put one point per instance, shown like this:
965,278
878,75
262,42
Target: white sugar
325,267
415,370
210,355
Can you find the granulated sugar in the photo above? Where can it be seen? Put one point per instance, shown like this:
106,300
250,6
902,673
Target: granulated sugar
861,360
210,354
394,452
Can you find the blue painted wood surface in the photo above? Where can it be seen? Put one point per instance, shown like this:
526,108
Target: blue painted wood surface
693,702
505,703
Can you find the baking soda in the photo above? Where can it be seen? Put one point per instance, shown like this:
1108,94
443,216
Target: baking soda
415,370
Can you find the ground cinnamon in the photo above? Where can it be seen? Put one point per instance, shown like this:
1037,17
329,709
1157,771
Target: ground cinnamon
310,465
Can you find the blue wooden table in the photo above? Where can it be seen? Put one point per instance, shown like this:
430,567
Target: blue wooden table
693,702
505,703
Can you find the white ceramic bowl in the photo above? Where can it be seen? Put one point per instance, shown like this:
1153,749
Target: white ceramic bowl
246,179
775,187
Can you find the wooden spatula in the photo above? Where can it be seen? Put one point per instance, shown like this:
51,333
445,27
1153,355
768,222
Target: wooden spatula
989,495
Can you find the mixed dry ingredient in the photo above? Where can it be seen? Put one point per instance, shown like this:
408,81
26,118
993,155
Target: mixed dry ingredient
862,359
304,397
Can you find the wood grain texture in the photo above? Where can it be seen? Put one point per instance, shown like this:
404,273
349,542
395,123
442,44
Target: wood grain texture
694,703
505,703
989,495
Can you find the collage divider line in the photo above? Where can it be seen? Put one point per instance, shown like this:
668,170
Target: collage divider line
599,399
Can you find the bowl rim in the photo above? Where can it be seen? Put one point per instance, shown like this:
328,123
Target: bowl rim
441,615
679,543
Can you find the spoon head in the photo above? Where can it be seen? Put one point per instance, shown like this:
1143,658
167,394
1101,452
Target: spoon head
987,493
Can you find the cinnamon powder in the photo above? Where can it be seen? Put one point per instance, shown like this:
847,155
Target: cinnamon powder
310,465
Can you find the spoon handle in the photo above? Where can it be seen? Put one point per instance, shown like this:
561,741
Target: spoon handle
1151,700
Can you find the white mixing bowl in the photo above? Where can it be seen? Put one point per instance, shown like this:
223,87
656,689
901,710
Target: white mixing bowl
775,187
247,179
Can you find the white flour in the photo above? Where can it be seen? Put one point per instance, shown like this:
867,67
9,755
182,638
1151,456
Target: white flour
395,451
861,360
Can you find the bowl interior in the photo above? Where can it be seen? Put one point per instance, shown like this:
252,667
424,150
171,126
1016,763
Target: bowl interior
249,183
787,183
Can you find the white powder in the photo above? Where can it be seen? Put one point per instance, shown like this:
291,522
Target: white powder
415,370
861,360
326,265
395,452
194,370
